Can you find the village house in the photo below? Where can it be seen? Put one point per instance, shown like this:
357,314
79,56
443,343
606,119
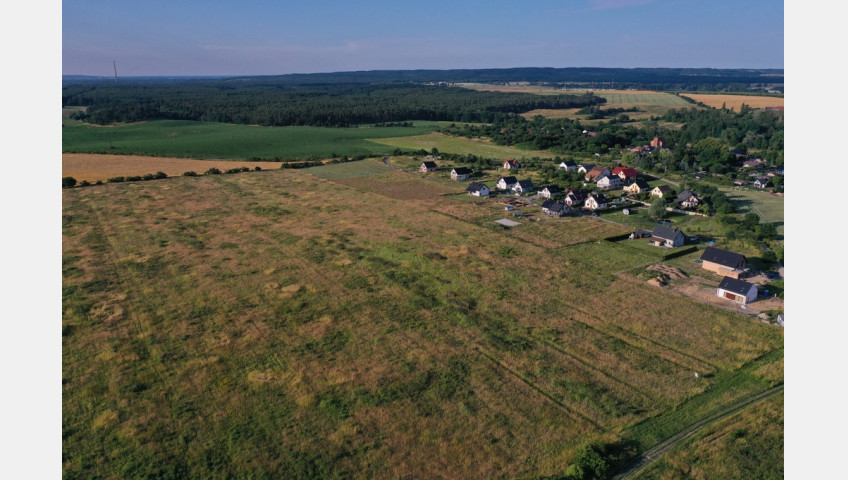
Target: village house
510,164
660,191
659,143
478,189
667,237
585,167
553,208
568,166
688,199
595,201
460,173
755,163
575,197
522,187
637,186
608,182
428,166
724,262
738,291
506,183
551,191
762,182
625,173
593,174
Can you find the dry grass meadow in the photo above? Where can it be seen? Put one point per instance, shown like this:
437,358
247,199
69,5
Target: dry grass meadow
734,102
288,324
97,167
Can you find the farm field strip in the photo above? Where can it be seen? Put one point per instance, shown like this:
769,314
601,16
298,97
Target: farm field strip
460,146
317,307
93,167
734,102
205,140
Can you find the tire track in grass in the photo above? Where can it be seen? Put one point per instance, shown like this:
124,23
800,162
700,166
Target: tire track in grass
652,455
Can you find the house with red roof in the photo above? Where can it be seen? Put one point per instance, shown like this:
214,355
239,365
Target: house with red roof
511,164
625,173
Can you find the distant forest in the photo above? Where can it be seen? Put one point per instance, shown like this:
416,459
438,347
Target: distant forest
229,101
351,98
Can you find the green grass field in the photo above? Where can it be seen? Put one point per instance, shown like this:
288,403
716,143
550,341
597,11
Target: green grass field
769,207
223,141
460,146
342,323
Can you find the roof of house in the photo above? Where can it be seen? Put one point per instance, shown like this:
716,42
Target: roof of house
663,188
476,187
553,188
511,162
685,195
643,185
430,164
462,170
578,194
548,203
733,285
762,181
559,207
599,197
508,180
569,163
627,171
525,184
723,257
587,166
666,233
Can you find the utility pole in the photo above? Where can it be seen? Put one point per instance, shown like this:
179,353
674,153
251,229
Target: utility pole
116,70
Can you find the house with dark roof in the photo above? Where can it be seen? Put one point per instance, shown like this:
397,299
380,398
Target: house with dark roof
762,182
568,166
478,189
637,186
428,167
667,237
608,182
556,209
575,197
460,173
596,201
551,191
724,262
585,167
522,187
506,183
738,291
688,199
660,191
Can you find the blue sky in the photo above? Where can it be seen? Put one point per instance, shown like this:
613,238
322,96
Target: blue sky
252,37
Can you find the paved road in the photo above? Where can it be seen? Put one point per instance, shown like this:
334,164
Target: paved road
654,454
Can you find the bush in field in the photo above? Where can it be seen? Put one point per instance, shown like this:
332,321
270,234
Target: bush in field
591,463
190,174
68,182
159,175
84,183
117,180
212,171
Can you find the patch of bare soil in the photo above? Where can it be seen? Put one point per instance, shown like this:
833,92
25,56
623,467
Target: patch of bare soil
669,271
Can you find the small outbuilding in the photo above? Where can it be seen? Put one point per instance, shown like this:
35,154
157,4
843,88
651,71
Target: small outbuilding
736,290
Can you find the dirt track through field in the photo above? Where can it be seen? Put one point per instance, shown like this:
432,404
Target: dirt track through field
654,454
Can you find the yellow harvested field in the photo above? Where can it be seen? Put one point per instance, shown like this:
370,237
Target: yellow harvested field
94,167
734,102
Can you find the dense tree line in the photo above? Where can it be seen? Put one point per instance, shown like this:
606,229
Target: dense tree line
687,79
275,105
